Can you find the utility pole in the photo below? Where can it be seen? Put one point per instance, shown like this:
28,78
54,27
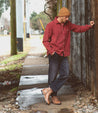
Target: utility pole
27,19
19,25
42,25
13,27
24,23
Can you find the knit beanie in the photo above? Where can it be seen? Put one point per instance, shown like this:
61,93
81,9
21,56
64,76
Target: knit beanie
64,12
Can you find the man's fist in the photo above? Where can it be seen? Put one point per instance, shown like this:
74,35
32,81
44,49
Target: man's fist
92,23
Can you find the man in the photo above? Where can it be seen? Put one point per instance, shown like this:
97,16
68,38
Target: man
57,42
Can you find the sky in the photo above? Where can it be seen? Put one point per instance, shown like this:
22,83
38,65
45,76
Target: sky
36,5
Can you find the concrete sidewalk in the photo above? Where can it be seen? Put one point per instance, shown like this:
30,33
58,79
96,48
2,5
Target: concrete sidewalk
34,78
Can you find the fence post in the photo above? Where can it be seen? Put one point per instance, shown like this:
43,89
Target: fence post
96,44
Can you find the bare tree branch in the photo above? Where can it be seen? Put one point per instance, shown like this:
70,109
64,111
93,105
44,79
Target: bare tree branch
50,8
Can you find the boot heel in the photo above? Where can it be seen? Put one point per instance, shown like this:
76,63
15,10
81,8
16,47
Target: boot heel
42,92
47,103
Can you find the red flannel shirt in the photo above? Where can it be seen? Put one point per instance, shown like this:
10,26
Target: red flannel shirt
57,36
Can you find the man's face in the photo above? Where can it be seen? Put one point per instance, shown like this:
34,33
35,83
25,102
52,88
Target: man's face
64,19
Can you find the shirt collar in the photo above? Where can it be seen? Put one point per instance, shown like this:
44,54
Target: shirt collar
56,21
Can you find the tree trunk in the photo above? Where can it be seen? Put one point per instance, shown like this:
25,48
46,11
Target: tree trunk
59,5
13,27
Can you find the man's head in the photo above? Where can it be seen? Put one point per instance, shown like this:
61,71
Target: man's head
63,15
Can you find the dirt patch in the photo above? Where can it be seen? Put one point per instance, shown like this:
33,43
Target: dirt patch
9,82
4,57
66,110
10,75
9,79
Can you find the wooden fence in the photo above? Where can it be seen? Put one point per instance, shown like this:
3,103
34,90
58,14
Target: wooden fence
84,49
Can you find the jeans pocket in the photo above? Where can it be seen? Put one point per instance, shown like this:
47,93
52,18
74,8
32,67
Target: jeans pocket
55,56
55,53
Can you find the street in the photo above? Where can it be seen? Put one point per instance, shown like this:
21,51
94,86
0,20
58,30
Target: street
5,42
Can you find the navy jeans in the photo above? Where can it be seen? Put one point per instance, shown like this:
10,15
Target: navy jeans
57,64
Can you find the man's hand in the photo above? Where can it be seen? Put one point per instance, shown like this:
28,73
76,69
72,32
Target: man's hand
92,23
53,53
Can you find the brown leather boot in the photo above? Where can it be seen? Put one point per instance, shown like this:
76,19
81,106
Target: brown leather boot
55,100
44,91
47,92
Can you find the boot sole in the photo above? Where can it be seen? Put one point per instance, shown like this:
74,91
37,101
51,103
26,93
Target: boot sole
56,104
44,98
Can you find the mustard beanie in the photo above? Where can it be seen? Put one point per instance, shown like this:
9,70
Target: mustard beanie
64,12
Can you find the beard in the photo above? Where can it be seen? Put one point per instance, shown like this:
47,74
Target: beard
64,22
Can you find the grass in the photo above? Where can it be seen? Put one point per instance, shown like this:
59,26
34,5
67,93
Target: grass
18,76
13,66
14,89
13,58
